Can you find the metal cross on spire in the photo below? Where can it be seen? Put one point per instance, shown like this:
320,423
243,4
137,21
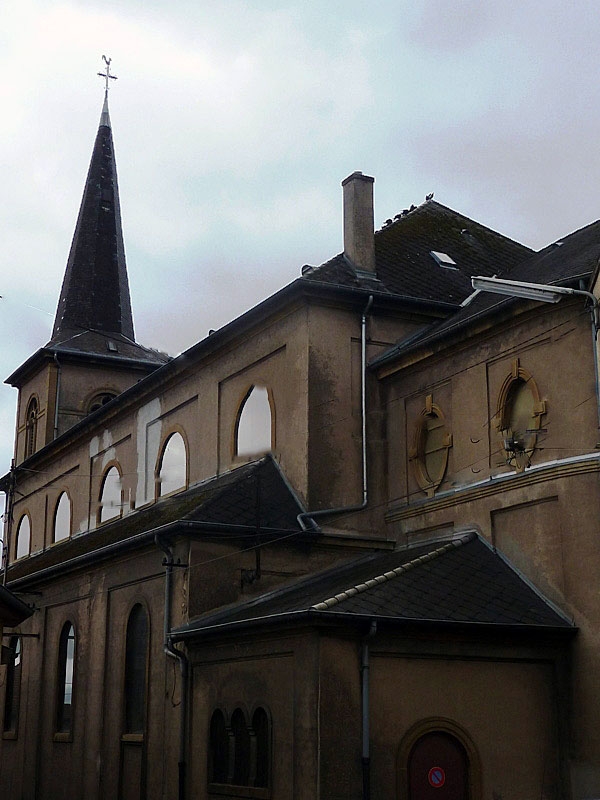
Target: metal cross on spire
106,75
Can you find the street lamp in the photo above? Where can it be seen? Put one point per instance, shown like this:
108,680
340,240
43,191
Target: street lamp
532,291
545,293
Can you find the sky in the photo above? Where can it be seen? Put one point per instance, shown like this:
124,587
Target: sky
235,122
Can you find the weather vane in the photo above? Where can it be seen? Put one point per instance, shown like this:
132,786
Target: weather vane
106,75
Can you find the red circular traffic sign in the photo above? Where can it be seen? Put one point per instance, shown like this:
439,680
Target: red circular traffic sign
436,777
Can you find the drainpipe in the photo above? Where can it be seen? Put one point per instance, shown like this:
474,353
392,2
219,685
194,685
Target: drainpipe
363,411
180,656
8,513
57,398
366,753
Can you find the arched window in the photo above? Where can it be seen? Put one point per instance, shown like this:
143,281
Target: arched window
13,686
136,659
100,400
31,427
171,474
23,544
254,424
260,725
62,518
65,679
241,739
218,754
111,496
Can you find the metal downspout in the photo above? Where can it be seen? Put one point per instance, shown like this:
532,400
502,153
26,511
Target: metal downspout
173,652
366,752
8,515
363,410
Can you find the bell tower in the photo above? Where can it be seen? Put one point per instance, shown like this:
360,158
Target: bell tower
92,355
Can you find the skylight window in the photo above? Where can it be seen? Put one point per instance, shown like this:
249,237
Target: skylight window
443,260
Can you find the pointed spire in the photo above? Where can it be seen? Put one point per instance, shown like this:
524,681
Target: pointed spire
95,290
104,116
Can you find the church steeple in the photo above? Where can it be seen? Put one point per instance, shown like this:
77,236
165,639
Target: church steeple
95,290
92,355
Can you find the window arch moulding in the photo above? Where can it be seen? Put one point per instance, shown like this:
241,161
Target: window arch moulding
65,683
31,426
99,399
110,500
62,521
23,537
239,752
172,467
135,682
254,428
430,449
519,416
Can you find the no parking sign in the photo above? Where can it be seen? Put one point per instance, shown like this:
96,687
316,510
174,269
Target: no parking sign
436,777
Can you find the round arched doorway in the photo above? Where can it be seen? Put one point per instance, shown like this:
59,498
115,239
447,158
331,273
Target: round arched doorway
438,768
437,760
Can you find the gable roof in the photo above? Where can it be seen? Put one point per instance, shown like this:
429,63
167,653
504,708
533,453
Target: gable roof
405,266
460,581
566,261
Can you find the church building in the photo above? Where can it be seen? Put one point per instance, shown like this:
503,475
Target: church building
346,546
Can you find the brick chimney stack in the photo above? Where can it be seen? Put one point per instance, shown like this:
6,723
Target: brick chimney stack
359,238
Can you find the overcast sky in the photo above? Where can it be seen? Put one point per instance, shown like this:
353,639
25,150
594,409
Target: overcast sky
234,123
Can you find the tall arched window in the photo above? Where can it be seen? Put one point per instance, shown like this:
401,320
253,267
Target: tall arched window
111,496
13,686
31,427
218,754
241,739
62,518
65,679
254,424
171,474
23,544
260,725
136,659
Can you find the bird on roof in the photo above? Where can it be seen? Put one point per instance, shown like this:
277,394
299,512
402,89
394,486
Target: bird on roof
429,196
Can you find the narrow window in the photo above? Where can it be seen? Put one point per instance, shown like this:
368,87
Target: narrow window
253,430
218,756
241,738
65,678
260,724
62,518
23,545
136,657
111,500
31,427
13,686
172,469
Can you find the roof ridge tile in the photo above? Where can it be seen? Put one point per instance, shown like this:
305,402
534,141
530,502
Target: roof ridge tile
388,576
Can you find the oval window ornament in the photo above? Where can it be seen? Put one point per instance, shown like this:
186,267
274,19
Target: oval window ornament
432,441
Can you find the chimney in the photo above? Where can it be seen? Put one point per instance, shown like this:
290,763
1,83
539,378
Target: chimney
359,238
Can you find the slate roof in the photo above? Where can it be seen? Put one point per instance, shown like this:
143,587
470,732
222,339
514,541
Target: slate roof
253,498
566,261
460,580
95,290
13,610
405,266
